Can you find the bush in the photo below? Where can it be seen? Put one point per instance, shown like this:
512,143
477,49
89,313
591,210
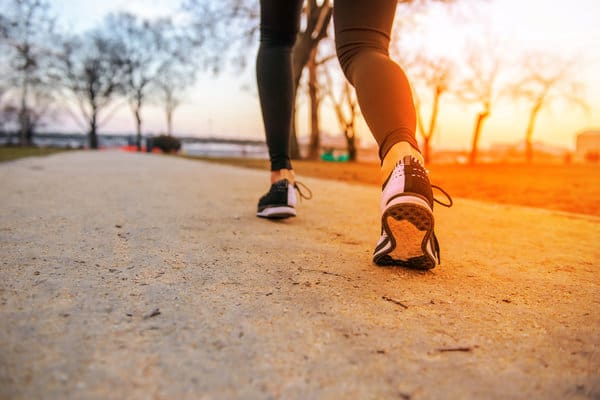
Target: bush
168,144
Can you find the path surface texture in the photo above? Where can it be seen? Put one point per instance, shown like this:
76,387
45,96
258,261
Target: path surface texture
137,276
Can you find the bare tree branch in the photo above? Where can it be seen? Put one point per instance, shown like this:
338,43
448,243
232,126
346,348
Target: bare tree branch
90,69
480,85
546,80
26,33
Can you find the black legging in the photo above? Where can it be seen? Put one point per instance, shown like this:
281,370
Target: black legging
362,36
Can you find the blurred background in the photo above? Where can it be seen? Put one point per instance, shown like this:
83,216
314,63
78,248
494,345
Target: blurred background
494,80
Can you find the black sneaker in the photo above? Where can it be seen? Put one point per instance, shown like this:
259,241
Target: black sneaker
407,237
280,201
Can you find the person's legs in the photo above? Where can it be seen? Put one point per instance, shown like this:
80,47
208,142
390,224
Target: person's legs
362,38
362,33
279,24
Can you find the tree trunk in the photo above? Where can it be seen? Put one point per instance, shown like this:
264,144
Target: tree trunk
529,132
316,29
481,117
431,130
29,132
351,142
170,122
137,112
93,136
351,150
434,114
315,143
426,149
169,109
138,131
294,146
23,113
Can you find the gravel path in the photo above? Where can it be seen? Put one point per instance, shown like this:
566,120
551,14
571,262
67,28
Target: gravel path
136,276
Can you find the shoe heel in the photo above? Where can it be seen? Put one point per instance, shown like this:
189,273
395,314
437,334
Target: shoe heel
420,217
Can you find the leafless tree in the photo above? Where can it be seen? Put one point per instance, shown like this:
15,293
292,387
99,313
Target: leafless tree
90,69
317,17
177,68
547,79
26,33
480,86
141,41
171,82
316,82
433,77
347,110
230,28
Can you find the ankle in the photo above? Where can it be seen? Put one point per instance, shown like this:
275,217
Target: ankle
282,174
395,154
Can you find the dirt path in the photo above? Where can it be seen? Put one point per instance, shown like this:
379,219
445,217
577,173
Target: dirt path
95,244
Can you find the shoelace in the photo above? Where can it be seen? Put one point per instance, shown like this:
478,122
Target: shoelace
436,244
303,195
450,201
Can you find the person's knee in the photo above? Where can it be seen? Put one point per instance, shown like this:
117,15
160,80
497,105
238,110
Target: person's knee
354,47
276,38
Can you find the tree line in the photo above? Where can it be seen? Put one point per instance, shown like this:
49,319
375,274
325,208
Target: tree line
132,61
126,60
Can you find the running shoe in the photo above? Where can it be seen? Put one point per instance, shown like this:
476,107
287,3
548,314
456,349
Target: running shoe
407,236
280,201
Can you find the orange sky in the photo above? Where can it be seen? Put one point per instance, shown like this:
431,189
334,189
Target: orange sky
227,105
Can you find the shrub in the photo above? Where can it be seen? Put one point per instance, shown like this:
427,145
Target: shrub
167,143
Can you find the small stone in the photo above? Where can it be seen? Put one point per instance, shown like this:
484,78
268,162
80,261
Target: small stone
152,313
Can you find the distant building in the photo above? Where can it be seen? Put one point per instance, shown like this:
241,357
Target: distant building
587,147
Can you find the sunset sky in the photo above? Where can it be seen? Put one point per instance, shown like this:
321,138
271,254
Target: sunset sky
227,106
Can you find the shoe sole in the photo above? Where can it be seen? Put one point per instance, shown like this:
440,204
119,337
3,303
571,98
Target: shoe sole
409,222
280,212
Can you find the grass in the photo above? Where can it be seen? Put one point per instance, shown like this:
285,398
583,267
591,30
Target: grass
563,187
9,153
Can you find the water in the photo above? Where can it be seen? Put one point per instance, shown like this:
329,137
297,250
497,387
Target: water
189,146
71,140
226,150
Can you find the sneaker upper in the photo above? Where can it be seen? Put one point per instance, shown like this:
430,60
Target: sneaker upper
406,190
281,193
409,177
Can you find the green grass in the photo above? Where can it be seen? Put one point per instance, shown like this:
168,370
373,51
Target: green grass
9,153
